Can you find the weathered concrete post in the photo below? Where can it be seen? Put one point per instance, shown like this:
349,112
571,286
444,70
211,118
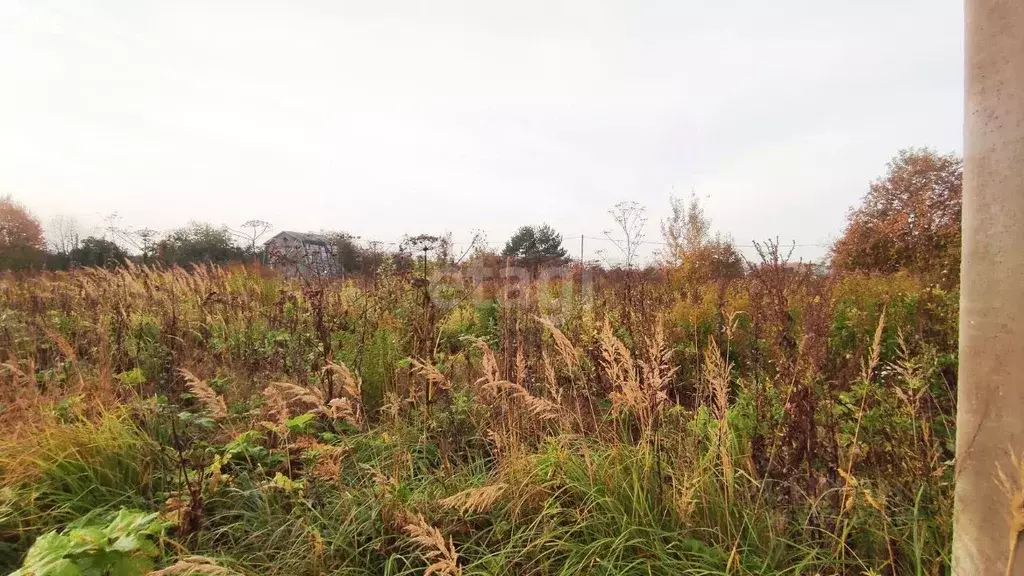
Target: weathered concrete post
990,417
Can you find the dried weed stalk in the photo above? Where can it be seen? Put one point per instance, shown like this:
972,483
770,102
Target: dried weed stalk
211,401
435,549
475,500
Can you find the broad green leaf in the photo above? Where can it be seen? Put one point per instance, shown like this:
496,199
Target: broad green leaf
131,566
83,539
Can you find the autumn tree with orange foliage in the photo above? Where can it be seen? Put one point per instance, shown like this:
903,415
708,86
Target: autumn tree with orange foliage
909,219
21,236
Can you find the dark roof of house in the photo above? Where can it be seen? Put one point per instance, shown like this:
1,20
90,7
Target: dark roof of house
302,237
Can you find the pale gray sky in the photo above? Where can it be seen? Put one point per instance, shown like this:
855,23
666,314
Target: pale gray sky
390,117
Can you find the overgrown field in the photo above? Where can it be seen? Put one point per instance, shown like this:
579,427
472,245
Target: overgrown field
226,421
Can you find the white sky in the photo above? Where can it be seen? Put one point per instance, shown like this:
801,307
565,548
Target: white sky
391,117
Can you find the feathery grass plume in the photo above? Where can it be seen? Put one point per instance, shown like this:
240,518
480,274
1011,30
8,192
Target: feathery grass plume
392,405
520,364
275,408
912,388
476,500
570,355
62,344
284,399
684,498
1014,490
657,369
13,368
491,382
194,566
444,560
347,410
538,407
615,357
211,401
350,406
351,384
732,321
716,374
658,353
298,397
868,369
876,348
631,394
68,351
550,379
430,373
490,362
328,460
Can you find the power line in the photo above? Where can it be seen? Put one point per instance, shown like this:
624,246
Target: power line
497,245
608,239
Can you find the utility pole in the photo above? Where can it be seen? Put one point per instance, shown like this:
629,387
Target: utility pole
581,251
990,395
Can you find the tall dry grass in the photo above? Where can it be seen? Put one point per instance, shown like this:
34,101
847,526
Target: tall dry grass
777,424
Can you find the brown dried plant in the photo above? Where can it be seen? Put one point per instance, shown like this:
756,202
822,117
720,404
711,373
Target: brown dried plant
62,344
1013,486
491,382
716,374
194,566
538,407
615,357
351,384
328,461
434,548
657,369
643,397
868,368
550,379
67,350
285,399
475,500
296,396
211,401
275,408
347,410
569,354
436,380
684,497
520,364
349,407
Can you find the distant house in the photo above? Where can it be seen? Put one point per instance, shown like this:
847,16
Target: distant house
298,254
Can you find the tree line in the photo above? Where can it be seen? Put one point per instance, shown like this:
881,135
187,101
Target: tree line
909,219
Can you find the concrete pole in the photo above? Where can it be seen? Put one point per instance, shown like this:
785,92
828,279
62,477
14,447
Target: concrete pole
990,415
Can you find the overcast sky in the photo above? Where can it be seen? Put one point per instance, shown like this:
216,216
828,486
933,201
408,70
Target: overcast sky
391,117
